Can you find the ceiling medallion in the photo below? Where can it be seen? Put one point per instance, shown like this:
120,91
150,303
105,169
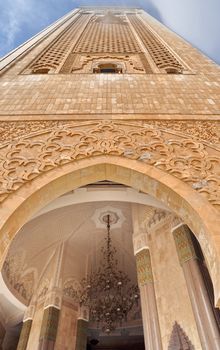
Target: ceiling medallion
112,215
116,216
108,292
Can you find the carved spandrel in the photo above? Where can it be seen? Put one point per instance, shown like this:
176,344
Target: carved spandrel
202,130
31,155
140,242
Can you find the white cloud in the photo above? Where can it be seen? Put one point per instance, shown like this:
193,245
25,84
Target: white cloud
16,15
197,21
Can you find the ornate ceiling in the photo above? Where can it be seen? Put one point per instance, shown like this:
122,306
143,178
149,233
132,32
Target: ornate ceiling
74,220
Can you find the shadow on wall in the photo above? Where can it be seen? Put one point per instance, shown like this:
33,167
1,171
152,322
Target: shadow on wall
11,338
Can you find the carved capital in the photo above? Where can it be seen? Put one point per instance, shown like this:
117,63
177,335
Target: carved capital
140,242
176,222
84,313
144,270
53,298
140,217
29,313
184,244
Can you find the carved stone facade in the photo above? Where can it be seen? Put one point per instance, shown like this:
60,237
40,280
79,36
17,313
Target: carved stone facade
205,131
111,95
194,162
162,57
108,33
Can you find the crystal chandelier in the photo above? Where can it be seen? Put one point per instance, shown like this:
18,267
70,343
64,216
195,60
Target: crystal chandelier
108,292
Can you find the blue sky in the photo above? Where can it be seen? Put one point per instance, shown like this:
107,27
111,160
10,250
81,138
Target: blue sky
195,20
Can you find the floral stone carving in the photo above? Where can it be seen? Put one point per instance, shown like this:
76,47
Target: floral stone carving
20,280
190,160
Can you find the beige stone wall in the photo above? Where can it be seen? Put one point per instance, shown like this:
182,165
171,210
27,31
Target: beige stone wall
171,292
35,329
138,96
67,327
88,96
193,96
66,334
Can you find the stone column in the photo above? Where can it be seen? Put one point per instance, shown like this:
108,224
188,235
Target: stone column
140,218
2,333
24,336
26,327
49,328
82,328
202,309
52,305
81,334
152,336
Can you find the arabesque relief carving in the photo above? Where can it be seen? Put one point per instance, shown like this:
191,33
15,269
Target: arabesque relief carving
190,160
87,63
71,289
144,269
18,278
208,131
157,217
11,130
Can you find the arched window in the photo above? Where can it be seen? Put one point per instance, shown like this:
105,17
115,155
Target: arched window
41,71
173,70
111,68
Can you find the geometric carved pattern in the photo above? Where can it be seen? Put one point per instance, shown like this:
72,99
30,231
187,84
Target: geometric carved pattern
160,54
144,271
193,162
107,33
102,34
208,131
179,340
84,63
184,244
202,130
52,57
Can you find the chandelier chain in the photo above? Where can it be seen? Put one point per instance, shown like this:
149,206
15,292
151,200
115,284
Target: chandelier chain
108,292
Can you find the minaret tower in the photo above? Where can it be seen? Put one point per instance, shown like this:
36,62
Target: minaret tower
111,95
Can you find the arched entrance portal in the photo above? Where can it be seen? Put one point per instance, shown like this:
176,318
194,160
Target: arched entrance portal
174,169
191,207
